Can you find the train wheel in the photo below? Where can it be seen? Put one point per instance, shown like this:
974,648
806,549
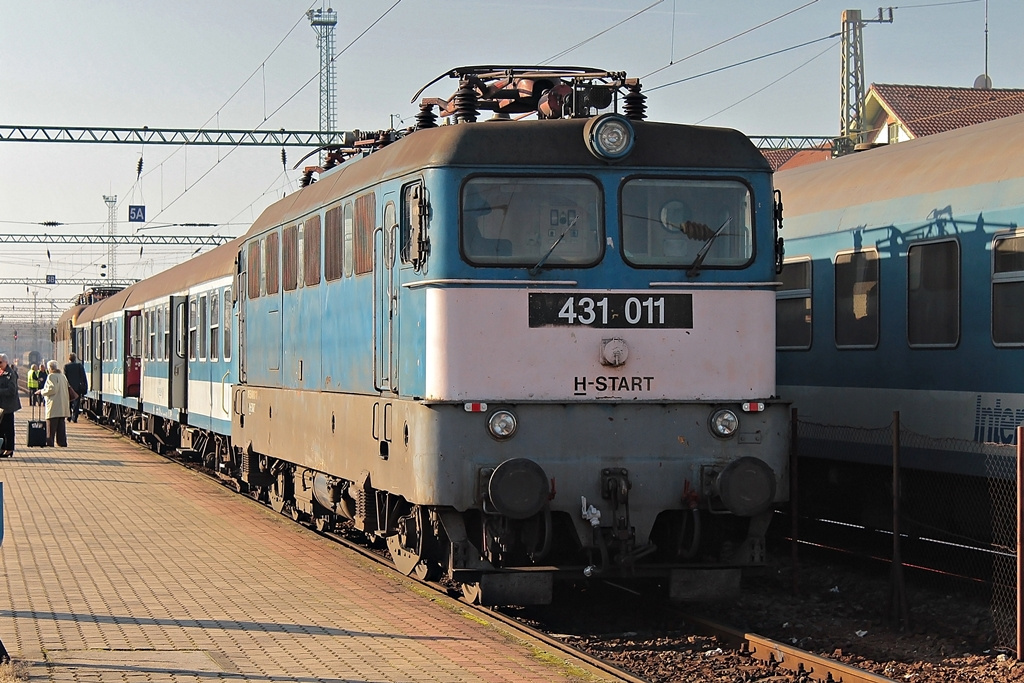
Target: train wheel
471,593
426,570
407,547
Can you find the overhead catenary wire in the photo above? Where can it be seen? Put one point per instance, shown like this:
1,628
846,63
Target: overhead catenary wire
601,33
730,39
762,89
741,63
281,105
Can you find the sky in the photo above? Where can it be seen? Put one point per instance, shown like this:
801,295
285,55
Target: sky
253,64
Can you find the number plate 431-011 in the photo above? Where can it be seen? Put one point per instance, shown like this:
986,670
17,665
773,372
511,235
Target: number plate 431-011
617,311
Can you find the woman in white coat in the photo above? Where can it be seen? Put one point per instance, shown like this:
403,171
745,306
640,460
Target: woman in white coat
58,404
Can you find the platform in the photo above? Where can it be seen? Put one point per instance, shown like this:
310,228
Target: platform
119,565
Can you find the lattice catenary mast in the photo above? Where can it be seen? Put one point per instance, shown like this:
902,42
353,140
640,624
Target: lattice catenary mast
323,22
111,201
851,77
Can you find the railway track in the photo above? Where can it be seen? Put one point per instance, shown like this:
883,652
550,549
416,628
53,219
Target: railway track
782,662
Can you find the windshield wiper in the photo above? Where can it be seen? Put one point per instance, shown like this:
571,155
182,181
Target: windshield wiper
702,254
569,225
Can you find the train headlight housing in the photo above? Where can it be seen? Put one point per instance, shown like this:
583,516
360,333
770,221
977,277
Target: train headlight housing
724,423
609,137
502,424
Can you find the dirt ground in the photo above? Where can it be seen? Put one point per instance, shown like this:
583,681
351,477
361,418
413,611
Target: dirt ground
840,611
845,613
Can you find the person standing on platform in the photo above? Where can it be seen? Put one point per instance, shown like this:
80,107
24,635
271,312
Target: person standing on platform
10,403
75,374
32,381
41,379
57,404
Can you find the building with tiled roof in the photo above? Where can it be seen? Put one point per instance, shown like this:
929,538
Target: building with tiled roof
792,157
894,113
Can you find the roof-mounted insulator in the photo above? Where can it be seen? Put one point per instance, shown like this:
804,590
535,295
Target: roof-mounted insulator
426,118
466,102
635,106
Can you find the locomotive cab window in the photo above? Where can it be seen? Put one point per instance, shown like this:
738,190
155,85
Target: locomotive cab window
671,222
531,221
857,299
1008,291
793,306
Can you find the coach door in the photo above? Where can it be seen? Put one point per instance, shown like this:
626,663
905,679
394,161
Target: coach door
133,353
96,367
178,365
385,314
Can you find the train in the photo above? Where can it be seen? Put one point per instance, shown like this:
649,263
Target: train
902,293
515,350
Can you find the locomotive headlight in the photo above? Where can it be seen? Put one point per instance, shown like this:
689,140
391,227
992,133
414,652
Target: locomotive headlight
609,136
502,424
724,423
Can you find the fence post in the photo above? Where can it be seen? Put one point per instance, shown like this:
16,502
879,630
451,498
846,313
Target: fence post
793,502
897,586
1020,560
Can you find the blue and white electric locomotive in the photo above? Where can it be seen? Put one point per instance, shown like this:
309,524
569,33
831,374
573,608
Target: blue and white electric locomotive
518,348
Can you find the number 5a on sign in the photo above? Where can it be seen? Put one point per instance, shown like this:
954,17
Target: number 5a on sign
136,213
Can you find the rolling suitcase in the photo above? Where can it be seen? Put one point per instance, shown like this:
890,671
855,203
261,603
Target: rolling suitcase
36,430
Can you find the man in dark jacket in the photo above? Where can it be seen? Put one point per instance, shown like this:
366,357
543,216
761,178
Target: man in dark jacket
10,402
75,374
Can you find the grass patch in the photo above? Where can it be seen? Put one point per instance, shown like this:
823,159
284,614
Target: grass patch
13,672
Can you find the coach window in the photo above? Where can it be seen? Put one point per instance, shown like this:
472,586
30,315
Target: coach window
513,221
348,227
856,300
203,326
310,252
290,258
97,342
214,325
793,306
193,319
334,245
933,294
227,324
135,336
254,270
179,327
1008,290
163,333
680,223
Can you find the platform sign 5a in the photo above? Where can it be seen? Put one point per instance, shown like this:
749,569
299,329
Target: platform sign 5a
136,213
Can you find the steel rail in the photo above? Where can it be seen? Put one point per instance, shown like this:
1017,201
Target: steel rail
786,656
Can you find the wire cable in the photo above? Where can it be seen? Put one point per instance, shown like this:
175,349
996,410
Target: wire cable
601,33
727,40
759,90
745,61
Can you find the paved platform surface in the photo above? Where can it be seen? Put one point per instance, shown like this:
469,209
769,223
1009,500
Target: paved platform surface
119,565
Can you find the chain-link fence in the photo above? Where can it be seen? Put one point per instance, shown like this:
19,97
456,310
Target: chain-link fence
958,501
